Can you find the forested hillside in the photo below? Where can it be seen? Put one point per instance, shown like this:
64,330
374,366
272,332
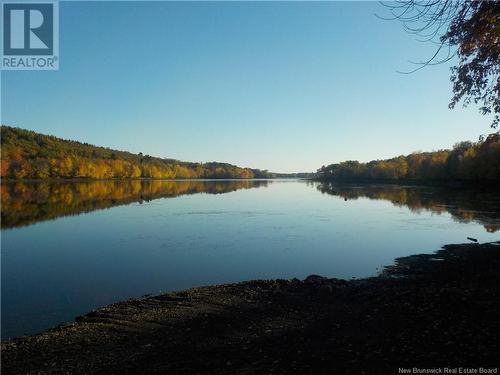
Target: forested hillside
26,154
466,161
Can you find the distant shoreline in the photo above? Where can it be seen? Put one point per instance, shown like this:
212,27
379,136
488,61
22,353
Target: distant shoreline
425,310
30,155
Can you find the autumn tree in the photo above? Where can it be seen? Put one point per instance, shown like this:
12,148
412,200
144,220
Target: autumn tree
468,30
26,154
466,161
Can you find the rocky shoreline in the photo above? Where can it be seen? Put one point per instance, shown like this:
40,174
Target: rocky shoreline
426,311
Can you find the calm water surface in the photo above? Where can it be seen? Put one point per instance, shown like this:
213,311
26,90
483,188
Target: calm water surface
70,247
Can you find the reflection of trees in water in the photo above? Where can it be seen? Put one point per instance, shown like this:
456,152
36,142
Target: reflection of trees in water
25,203
464,205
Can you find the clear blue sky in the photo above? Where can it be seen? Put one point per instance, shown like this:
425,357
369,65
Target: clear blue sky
280,86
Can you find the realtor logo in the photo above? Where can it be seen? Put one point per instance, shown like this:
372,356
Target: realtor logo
30,35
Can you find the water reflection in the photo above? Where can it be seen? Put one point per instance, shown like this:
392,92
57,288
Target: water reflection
25,203
464,205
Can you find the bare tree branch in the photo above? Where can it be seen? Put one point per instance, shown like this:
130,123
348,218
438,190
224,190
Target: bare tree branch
469,30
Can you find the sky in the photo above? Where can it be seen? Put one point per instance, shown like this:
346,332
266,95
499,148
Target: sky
283,86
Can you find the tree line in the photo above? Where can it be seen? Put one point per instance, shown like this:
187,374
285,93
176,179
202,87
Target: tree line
26,154
473,161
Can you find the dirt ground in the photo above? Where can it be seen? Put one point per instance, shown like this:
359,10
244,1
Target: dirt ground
426,311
